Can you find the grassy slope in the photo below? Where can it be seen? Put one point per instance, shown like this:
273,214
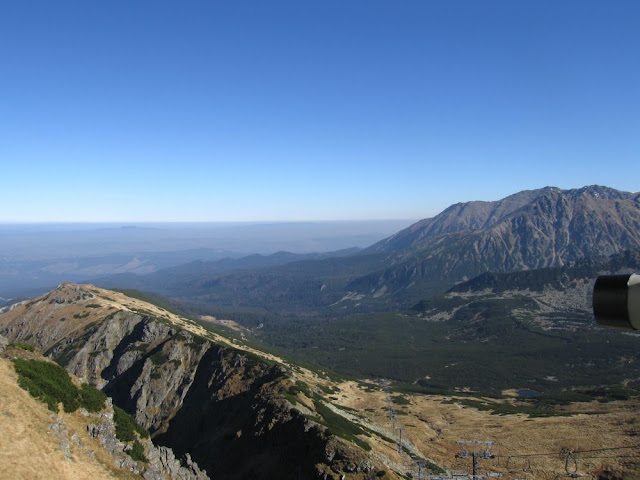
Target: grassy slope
30,450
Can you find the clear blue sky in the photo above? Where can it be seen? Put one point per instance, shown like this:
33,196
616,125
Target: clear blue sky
307,110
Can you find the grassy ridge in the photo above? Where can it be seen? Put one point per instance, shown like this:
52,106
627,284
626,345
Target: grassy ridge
171,306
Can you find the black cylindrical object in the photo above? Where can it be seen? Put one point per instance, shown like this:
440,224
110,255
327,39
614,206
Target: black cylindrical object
616,301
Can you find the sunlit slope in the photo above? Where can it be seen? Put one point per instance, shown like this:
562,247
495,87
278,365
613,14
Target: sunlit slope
39,445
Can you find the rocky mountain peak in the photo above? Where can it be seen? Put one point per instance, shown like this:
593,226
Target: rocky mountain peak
530,229
549,204
69,293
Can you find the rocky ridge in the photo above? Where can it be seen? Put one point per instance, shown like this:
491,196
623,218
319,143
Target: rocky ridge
567,208
220,405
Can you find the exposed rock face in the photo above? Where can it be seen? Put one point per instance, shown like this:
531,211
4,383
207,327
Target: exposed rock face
460,217
162,464
217,408
99,349
162,459
105,431
3,343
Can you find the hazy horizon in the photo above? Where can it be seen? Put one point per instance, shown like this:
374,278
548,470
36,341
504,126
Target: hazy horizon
36,257
203,223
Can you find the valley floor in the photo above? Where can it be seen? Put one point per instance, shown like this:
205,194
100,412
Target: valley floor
596,438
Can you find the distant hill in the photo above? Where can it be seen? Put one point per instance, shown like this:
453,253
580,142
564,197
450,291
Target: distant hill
35,258
556,295
174,277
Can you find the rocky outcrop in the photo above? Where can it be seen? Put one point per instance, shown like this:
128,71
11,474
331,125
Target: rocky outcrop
105,431
3,343
162,463
61,313
162,459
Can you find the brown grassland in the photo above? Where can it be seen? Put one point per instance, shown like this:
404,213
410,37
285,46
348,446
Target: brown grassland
600,435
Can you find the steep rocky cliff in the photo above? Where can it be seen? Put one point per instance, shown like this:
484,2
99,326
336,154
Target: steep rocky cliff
78,444
225,407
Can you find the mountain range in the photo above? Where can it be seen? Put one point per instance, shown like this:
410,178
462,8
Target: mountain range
548,227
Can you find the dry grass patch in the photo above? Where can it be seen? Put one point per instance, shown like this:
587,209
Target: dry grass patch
434,426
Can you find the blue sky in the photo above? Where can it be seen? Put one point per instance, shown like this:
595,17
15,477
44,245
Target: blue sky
318,110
